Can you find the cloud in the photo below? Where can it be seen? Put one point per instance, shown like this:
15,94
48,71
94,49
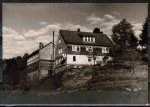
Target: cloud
105,23
137,27
108,16
10,34
98,20
15,44
95,20
42,31
12,41
116,13
43,23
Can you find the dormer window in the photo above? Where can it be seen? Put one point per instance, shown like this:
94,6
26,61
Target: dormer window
85,38
88,39
91,38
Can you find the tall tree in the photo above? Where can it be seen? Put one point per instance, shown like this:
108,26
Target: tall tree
123,37
133,41
121,34
144,34
14,71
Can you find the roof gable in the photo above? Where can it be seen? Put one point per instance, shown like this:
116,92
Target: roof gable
37,51
75,37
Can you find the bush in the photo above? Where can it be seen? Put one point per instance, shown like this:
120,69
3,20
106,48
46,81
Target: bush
145,59
87,73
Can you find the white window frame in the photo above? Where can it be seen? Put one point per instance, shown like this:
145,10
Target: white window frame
56,61
60,51
90,59
60,60
104,50
88,39
60,40
83,39
92,39
74,48
88,47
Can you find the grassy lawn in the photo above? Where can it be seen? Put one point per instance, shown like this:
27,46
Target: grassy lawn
108,78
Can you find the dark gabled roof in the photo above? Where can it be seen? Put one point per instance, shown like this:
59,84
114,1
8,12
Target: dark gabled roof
75,37
37,51
33,53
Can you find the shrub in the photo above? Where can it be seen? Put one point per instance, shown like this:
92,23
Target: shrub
144,59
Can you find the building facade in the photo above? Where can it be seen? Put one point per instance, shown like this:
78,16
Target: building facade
40,63
72,49
76,48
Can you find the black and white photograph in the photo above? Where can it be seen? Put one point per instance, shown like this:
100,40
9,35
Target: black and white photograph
87,52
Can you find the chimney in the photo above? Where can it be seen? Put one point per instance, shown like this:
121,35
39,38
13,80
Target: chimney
40,45
78,29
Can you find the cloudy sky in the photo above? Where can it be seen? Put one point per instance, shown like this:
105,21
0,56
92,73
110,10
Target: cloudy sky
25,25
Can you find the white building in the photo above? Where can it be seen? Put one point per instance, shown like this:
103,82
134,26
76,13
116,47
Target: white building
76,48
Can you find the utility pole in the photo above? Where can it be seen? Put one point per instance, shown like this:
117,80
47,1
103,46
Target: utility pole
53,61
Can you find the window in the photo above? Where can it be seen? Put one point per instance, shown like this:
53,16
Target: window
89,39
60,40
78,48
74,58
60,51
75,48
105,50
90,49
85,38
56,61
93,39
89,59
59,60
